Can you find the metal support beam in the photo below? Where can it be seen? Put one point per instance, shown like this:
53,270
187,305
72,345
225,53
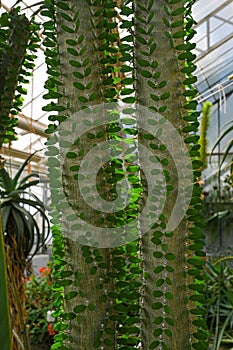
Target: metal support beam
12,152
211,30
31,125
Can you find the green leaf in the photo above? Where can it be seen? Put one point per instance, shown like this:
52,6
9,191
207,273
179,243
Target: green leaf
70,295
170,256
154,97
157,306
151,84
21,169
162,84
162,109
66,17
91,307
78,85
179,34
190,81
71,42
69,316
165,96
158,254
80,39
143,63
158,332
62,5
127,91
146,73
169,321
72,51
82,99
67,29
75,63
141,40
152,49
127,81
6,182
226,132
157,293
78,75
93,270
130,99
79,308
178,11
166,22
169,295
177,24
154,344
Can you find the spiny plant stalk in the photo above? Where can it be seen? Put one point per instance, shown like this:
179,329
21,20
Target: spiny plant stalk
143,293
11,60
203,141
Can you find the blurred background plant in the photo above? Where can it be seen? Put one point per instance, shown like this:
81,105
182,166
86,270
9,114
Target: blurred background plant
203,141
219,297
23,237
227,149
38,289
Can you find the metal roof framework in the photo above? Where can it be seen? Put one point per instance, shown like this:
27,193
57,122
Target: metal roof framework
214,51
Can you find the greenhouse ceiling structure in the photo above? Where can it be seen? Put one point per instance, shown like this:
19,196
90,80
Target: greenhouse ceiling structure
214,60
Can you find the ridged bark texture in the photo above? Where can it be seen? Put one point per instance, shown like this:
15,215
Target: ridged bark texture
168,65
84,334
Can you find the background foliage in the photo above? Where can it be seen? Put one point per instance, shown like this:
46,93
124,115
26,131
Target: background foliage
38,290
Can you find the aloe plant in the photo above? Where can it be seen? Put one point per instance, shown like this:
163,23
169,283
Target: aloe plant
21,234
18,222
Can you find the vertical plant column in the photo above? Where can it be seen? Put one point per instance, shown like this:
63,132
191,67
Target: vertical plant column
5,327
83,83
12,55
164,85
18,44
143,290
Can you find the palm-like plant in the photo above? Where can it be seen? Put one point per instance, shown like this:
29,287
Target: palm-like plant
21,234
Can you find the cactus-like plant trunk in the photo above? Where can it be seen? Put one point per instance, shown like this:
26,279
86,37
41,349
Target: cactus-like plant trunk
174,284
86,332
11,59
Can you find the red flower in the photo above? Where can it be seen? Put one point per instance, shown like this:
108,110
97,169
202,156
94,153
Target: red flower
50,329
44,271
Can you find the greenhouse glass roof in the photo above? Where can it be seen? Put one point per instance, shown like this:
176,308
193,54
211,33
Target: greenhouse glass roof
214,62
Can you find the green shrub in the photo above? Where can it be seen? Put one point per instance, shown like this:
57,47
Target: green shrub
219,290
39,293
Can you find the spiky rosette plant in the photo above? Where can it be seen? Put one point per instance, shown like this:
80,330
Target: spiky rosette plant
21,234
19,224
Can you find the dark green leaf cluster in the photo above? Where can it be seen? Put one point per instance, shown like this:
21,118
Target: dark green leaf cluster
19,224
18,46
